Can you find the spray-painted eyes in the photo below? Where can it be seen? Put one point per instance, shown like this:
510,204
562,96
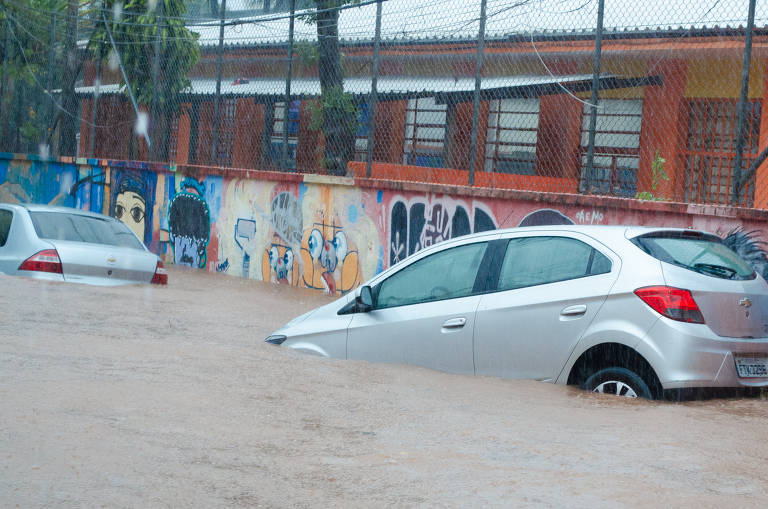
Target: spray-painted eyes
274,258
315,243
137,214
340,244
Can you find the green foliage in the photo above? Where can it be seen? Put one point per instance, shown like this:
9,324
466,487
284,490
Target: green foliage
26,105
134,35
336,100
306,52
30,131
658,173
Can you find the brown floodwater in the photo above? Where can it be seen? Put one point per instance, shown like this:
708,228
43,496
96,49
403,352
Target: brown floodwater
167,397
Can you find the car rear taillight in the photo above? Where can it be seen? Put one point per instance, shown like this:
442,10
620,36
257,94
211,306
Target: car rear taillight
44,261
161,275
673,303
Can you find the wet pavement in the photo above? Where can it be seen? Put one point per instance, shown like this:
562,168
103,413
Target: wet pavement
167,397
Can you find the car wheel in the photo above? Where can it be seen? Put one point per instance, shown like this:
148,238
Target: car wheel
618,381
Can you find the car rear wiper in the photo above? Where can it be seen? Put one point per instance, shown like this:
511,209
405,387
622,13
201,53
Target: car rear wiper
715,270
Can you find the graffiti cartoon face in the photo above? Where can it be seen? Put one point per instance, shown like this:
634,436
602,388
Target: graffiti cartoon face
132,199
189,228
131,209
329,262
278,265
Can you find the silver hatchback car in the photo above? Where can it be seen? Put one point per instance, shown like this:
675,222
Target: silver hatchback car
623,310
64,244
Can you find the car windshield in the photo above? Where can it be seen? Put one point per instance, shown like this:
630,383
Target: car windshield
695,251
81,228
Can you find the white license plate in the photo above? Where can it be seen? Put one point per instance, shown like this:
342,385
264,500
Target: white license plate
751,367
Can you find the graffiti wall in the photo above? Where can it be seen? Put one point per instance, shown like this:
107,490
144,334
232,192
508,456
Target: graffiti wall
331,237
322,233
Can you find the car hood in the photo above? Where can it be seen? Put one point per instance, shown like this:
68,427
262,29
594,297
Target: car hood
328,310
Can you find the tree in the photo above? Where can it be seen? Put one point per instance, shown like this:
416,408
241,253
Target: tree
339,110
69,123
26,26
134,33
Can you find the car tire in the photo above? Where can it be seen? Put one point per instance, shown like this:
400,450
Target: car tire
618,381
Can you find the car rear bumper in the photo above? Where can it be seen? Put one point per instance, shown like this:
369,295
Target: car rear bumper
45,276
687,355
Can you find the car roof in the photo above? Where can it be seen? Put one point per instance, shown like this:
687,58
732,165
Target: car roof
596,230
36,207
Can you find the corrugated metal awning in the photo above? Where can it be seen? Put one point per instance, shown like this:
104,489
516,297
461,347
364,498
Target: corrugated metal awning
394,88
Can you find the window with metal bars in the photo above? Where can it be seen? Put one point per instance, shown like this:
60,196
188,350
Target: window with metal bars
617,146
510,143
292,125
425,122
228,114
710,149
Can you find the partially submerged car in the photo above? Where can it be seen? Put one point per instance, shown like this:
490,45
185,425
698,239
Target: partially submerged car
622,310
65,244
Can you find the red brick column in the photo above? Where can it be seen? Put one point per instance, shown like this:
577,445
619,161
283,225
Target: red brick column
559,136
249,125
761,178
389,130
664,128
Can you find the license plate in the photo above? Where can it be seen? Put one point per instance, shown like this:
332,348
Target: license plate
751,367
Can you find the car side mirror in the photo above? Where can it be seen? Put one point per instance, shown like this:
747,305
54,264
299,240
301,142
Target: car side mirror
364,299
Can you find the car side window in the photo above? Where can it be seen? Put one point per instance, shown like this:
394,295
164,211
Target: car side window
531,261
6,216
447,274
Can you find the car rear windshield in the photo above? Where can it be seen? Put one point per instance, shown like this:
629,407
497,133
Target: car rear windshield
695,251
80,228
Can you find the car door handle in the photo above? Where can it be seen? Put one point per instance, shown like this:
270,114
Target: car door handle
579,309
454,323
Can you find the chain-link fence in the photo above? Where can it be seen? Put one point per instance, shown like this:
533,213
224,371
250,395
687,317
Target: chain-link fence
660,100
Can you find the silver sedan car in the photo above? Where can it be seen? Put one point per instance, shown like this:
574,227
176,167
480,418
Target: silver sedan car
64,244
622,310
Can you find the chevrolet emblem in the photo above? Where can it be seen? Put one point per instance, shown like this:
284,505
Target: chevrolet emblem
745,302
111,259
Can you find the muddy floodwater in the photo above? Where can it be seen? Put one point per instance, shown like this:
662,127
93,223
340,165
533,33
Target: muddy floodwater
167,397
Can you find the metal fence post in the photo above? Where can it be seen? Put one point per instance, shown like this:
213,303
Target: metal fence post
737,180
49,74
476,95
594,98
4,84
124,74
94,112
374,92
156,80
287,102
215,147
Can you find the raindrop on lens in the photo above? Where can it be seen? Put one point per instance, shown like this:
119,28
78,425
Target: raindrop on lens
142,124
117,11
113,62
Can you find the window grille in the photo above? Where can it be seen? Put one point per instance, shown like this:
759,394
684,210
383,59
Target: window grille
424,132
511,137
617,145
278,124
710,149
